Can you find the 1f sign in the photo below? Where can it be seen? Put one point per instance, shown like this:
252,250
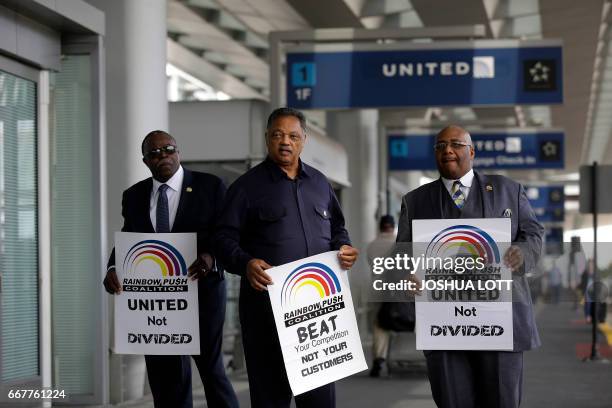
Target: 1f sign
302,94
303,77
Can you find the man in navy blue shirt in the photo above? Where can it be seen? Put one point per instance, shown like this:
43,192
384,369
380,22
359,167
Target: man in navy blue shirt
280,211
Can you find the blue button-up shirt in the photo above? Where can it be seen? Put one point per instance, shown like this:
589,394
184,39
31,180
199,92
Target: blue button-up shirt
269,216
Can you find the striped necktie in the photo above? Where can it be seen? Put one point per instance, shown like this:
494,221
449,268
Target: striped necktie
161,213
457,195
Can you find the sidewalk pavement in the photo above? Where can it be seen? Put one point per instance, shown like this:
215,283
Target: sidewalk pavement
555,375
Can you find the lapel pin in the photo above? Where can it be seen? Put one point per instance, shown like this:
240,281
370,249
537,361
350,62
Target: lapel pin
489,187
189,189
507,213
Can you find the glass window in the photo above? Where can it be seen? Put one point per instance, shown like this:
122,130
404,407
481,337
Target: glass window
19,326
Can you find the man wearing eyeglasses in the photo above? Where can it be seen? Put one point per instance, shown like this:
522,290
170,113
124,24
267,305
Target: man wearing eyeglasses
468,379
178,200
280,211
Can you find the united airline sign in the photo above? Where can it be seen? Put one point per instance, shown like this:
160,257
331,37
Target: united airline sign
482,67
518,148
486,72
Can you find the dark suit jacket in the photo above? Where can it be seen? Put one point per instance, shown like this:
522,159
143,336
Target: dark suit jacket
425,202
199,207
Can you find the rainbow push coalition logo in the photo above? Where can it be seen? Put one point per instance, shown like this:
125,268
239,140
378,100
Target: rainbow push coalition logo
311,290
168,275
310,276
464,240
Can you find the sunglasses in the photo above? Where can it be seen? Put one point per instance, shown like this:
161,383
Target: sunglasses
169,149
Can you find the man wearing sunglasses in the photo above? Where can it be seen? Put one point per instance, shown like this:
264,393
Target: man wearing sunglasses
178,200
467,379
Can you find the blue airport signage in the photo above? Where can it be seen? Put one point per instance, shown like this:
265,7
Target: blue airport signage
554,241
494,149
548,202
459,73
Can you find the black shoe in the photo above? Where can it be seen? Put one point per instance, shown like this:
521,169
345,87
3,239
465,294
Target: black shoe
377,366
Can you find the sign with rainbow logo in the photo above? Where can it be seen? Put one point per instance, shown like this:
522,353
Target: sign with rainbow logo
464,239
463,308
168,258
315,320
306,277
157,310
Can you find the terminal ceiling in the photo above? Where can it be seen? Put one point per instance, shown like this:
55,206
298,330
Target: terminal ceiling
224,43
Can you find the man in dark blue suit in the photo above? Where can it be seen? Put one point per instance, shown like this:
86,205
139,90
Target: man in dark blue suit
468,379
179,200
280,211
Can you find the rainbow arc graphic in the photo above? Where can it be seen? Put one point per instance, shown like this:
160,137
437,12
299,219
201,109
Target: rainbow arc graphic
167,257
468,238
310,275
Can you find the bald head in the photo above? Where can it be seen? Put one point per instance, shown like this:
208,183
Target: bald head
454,152
455,130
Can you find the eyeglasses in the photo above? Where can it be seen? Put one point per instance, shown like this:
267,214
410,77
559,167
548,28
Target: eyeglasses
440,146
169,149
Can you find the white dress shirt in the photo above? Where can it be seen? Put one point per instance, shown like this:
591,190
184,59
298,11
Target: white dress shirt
173,192
466,183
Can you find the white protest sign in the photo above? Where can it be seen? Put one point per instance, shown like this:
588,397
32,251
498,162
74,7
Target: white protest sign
470,310
315,320
157,311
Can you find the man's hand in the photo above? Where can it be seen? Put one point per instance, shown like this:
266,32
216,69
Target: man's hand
111,282
513,258
256,274
347,256
201,266
417,285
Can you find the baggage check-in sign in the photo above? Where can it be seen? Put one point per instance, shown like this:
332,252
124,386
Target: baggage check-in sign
315,320
495,149
451,73
157,311
471,310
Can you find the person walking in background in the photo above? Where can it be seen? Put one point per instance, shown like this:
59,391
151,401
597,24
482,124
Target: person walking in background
554,283
381,246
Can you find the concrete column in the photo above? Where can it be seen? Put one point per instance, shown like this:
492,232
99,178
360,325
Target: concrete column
136,103
136,89
357,131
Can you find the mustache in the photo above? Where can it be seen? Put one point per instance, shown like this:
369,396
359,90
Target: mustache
164,163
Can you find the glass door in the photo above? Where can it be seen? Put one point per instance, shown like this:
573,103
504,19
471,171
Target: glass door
19,259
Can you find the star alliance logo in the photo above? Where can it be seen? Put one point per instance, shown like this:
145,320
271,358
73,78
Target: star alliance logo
556,195
539,75
550,150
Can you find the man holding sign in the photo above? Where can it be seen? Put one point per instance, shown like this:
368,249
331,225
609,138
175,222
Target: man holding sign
177,200
466,379
280,211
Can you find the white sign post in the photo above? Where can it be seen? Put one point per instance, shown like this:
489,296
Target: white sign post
452,314
315,320
157,311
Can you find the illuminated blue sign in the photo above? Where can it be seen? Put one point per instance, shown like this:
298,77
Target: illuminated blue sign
548,202
484,72
494,149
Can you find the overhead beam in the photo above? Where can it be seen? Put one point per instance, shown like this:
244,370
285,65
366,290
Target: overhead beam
181,57
326,13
